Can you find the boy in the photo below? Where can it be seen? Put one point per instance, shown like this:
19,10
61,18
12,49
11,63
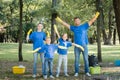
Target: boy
49,50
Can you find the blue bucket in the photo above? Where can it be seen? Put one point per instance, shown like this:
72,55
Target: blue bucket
117,62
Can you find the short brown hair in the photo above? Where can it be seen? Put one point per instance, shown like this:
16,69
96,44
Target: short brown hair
76,18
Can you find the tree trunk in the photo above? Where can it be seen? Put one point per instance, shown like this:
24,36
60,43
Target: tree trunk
53,35
99,25
20,33
116,4
107,37
114,37
110,25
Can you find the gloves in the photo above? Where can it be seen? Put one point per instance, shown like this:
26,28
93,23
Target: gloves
28,33
58,19
55,28
36,50
97,14
48,34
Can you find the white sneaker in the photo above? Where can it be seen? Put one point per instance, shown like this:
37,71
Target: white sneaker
57,75
45,76
88,74
34,76
66,75
51,76
76,74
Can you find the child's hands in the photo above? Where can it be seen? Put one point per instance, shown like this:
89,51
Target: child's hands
36,50
48,34
79,46
62,47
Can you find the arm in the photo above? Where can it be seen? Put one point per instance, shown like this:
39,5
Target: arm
62,22
62,47
36,50
55,28
28,34
93,19
78,46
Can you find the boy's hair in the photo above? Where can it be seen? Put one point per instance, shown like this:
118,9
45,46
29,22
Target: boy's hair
63,34
76,18
40,23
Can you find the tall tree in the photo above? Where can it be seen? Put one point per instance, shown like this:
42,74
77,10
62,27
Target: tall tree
99,25
20,32
53,35
116,4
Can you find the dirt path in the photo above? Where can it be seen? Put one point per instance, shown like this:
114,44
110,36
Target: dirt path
108,72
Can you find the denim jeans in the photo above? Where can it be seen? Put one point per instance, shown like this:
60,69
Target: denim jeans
35,56
64,59
48,64
77,52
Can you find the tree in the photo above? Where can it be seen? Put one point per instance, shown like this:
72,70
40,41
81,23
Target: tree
53,35
116,4
20,32
107,28
99,26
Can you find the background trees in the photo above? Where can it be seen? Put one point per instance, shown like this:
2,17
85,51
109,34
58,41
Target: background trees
35,11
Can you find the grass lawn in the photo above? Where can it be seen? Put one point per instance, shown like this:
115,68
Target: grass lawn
9,58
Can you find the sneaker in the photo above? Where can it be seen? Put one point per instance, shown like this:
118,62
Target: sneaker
57,75
51,76
66,75
45,76
76,74
34,76
88,74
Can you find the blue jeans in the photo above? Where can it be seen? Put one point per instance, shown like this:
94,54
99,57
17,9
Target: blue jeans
77,52
48,64
35,56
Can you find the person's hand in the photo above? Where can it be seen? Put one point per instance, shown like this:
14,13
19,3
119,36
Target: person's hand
79,46
36,50
58,19
48,34
97,14
28,33
27,38
55,28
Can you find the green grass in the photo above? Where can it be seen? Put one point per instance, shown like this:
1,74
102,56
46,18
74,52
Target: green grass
9,58
9,51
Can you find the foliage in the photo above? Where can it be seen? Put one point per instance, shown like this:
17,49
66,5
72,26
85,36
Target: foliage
35,11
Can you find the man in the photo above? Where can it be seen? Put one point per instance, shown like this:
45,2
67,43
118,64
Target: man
38,38
80,38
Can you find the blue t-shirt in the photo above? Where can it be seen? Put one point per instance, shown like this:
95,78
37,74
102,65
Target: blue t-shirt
80,34
49,50
38,39
63,43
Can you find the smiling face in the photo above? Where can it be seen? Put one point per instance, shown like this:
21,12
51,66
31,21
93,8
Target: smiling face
39,27
77,21
64,37
48,40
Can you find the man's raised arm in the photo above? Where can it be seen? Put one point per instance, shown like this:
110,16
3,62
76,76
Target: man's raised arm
93,19
62,22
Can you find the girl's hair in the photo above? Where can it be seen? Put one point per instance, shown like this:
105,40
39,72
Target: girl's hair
63,34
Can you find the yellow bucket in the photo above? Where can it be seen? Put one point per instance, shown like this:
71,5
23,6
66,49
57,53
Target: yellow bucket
18,69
